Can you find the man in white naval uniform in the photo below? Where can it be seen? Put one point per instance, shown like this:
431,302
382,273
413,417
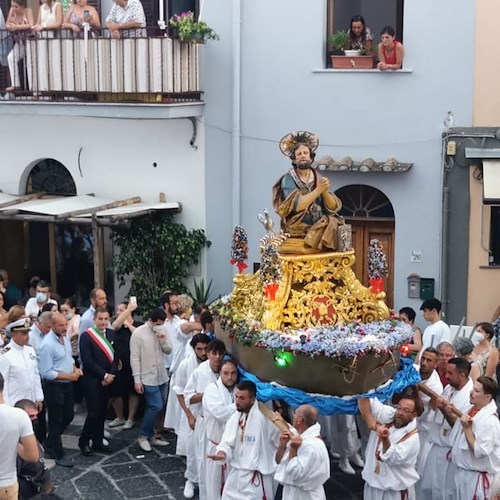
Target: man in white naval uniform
476,451
218,406
302,458
204,375
248,444
390,470
430,378
185,443
19,367
434,484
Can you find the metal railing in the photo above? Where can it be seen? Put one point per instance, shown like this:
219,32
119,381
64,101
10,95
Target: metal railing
62,66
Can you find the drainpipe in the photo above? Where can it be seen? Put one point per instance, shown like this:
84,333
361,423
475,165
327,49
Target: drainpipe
445,213
236,113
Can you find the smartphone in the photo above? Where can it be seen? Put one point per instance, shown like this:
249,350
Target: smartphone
86,13
133,300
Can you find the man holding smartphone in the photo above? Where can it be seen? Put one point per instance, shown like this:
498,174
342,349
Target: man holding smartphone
148,344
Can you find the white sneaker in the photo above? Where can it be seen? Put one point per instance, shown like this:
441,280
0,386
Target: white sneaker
346,467
188,489
128,425
117,422
335,455
357,461
159,442
106,434
105,442
144,444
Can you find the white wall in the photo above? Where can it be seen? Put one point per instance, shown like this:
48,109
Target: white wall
358,114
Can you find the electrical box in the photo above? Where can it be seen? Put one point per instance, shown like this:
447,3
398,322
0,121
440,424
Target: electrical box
427,288
413,286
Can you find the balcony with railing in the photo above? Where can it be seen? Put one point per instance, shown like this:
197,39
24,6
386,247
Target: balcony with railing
143,67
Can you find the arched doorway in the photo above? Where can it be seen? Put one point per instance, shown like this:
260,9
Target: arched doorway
371,215
50,176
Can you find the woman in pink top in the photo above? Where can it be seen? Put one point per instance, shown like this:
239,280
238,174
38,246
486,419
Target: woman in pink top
390,51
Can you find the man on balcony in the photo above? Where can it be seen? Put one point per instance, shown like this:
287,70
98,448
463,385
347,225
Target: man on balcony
124,16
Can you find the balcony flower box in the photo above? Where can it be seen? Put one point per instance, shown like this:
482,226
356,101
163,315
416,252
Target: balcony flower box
352,62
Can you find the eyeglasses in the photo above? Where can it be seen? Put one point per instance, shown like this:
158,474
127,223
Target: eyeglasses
406,411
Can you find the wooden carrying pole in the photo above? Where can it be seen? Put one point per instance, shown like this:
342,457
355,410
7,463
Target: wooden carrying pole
274,417
433,395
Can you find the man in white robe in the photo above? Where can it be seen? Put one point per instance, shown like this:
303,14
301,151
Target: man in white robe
248,445
434,484
180,332
218,406
185,444
430,378
390,470
204,375
476,451
302,458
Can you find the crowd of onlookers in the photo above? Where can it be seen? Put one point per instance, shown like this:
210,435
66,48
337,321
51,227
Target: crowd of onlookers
126,19
441,443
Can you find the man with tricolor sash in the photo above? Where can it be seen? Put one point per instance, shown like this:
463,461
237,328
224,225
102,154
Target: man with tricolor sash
100,367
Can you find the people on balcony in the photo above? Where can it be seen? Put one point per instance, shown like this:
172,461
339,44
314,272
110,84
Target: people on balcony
20,23
79,14
360,36
390,51
124,16
49,18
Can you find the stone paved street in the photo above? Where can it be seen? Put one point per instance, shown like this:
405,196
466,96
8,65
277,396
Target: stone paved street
129,473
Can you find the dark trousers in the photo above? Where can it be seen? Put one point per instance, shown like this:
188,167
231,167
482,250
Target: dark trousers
41,428
60,405
96,397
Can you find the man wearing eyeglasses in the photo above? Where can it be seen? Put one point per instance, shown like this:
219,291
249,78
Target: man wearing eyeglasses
390,470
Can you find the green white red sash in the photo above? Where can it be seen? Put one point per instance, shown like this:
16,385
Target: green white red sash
102,342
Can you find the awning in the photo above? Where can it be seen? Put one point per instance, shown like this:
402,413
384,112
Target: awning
79,209
491,182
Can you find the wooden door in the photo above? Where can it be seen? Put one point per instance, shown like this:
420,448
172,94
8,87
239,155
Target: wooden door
364,230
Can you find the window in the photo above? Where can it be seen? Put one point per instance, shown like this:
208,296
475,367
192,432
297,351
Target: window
376,13
494,259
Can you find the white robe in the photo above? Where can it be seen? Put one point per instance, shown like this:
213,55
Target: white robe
424,422
174,411
250,453
178,384
197,383
397,468
485,459
218,406
434,484
341,434
304,475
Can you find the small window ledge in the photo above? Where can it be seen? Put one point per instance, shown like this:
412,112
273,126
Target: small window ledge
494,266
391,72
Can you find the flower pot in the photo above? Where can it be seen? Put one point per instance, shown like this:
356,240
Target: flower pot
354,62
198,37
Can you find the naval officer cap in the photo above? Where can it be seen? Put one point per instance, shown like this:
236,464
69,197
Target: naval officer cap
20,325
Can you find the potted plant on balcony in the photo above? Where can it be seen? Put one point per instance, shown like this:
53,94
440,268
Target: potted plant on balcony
348,59
189,29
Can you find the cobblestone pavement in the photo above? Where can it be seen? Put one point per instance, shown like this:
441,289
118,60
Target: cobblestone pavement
129,473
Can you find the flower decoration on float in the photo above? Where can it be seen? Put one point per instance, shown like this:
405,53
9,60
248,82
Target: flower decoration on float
239,248
334,341
270,270
377,266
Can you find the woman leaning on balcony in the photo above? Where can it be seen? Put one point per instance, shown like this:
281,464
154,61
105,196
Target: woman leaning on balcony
19,23
360,35
390,51
49,18
78,14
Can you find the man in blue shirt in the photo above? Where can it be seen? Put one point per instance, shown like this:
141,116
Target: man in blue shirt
58,370
98,298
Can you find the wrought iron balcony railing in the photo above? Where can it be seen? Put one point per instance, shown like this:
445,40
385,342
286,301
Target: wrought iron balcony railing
149,67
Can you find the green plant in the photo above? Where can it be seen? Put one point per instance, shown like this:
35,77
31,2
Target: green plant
338,42
363,51
158,252
190,29
201,293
